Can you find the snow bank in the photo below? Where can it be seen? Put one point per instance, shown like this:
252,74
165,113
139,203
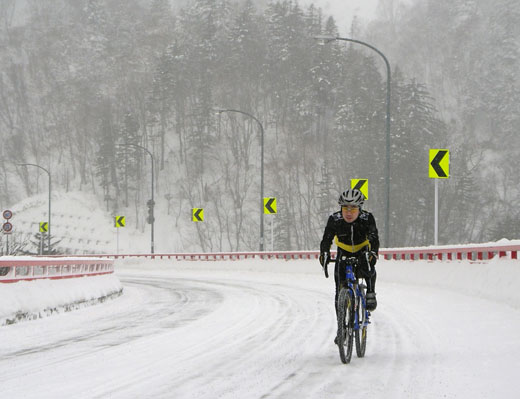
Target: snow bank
33,299
496,280
501,242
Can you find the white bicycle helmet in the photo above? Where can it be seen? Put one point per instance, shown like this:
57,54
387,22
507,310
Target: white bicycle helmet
351,197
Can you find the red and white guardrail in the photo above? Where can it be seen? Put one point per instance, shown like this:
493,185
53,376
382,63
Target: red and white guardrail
474,252
34,268
58,267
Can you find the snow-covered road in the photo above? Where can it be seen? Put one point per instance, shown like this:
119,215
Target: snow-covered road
265,329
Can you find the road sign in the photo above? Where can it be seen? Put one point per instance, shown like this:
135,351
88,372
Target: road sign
439,166
7,227
44,227
270,205
7,214
120,221
197,214
361,185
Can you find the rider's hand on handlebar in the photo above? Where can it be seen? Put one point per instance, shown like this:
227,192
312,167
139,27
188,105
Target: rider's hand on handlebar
372,257
324,259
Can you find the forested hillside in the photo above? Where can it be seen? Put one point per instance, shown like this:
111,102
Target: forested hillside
78,79
468,54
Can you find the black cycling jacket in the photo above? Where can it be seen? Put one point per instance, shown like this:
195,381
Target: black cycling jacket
351,237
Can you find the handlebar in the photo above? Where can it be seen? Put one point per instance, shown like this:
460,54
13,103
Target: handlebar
353,260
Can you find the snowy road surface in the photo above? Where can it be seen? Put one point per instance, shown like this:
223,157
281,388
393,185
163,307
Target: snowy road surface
265,329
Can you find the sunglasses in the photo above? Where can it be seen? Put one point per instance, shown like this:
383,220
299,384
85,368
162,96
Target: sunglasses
350,208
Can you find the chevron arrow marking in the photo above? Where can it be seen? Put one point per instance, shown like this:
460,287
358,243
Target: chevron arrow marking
270,205
436,164
44,227
361,185
120,221
198,214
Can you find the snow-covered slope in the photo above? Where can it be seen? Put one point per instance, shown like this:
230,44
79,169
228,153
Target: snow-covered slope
79,222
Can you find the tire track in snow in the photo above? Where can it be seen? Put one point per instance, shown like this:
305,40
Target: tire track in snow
256,321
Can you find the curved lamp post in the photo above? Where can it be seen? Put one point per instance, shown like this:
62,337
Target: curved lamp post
387,169
151,204
261,171
49,231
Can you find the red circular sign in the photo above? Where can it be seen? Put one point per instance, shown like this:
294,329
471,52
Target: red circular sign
7,214
7,227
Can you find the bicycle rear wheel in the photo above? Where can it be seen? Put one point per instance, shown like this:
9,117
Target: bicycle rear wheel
361,332
345,337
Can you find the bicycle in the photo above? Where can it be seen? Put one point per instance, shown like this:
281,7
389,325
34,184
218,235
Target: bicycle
353,316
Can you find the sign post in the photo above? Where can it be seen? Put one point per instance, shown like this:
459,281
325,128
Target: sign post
44,229
7,228
439,168
270,209
119,221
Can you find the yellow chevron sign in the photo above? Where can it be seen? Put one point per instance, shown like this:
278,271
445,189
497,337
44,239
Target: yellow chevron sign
44,227
197,214
361,185
270,205
120,221
439,166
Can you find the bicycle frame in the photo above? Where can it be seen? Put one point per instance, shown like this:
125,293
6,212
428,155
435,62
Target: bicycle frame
352,283
352,314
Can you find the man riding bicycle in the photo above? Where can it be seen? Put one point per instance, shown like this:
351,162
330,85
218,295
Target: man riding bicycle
355,233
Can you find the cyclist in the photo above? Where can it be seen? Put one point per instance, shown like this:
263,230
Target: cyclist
355,233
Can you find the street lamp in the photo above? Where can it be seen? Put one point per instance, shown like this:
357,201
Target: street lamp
150,203
49,222
261,171
387,169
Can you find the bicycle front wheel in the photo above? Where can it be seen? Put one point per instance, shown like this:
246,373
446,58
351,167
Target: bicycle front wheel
345,337
361,332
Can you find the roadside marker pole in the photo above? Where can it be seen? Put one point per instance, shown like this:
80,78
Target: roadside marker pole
439,168
272,234
436,228
119,221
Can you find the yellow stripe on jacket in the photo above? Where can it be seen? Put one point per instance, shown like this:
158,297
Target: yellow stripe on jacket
351,248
